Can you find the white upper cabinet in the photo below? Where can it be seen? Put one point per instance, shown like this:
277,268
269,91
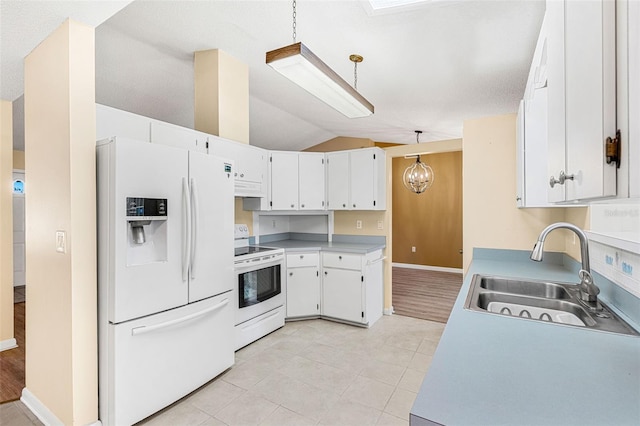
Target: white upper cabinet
179,137
311,180
297,181
115,122
356,179
284,180
532,149
337,180
581,99
251,165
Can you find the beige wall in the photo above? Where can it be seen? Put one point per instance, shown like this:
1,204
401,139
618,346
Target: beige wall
490,216
18,160
6,223
340,144
61,323
221,84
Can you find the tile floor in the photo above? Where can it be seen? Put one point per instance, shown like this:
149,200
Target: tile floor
314,372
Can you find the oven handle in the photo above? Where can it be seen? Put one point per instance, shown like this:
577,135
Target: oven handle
242,268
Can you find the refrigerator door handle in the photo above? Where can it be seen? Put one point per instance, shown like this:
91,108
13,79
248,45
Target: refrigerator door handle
186,235
148,329
195,213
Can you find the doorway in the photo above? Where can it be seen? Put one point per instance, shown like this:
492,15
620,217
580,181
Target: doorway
427,239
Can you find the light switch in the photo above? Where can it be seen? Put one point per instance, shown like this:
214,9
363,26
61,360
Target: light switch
380,224
358,224
61,241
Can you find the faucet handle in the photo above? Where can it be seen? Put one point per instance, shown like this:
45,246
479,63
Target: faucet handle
588,290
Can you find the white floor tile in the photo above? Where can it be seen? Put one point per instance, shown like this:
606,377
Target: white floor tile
215,396
400,403
248,409
411,380
369,392
284,417
347,412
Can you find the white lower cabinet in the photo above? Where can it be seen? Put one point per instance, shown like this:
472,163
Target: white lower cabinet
352,286
342,294
303,285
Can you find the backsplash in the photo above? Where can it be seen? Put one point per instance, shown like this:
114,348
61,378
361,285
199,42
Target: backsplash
620,266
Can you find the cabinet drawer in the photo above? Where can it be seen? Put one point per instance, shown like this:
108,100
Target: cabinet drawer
340,260
302,259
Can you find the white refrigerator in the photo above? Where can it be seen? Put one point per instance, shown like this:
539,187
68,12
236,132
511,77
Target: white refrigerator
165,275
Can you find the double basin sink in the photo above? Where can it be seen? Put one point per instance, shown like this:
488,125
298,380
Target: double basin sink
541,301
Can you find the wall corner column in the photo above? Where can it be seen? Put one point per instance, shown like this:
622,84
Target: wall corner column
221,84
61,322
7,338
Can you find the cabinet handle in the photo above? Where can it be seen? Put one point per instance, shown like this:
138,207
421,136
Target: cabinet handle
235,174
340,257
561,178
241,174
344,205
325,272
292,205
354,205
518,198
290,274
302,206
302,256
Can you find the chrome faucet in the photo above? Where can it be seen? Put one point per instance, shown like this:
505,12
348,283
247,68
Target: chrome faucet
588,290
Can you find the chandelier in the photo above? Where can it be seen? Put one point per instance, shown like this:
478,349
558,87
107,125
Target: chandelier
418,177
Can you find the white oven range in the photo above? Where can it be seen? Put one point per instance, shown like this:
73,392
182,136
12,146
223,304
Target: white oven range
258,293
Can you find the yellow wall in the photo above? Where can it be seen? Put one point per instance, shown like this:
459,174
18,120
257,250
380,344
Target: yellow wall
221,84
61,323
18,160
431,221
6,223
341,144
490,216
345,221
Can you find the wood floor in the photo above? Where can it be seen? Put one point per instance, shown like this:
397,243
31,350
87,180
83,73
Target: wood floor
428,295
12,360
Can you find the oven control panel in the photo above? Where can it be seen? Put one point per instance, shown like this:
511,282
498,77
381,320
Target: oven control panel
241,231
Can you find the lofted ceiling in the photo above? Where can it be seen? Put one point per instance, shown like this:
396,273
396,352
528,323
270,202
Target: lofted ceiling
427,66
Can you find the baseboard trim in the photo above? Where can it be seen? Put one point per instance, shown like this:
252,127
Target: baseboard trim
388,311
39,409
427,268
5,345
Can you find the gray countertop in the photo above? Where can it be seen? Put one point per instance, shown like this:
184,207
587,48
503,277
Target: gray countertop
496,370
343,247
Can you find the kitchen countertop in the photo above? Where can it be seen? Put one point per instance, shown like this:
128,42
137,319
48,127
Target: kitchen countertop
491,369
343,247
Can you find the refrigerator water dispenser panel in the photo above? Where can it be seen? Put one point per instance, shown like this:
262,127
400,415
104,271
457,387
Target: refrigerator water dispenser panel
147,230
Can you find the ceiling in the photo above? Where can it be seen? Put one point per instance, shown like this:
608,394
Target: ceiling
428,66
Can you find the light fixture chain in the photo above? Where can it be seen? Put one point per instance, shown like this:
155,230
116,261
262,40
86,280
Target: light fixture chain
294,21
355,75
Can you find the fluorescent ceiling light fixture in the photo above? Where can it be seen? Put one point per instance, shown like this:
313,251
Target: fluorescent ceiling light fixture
300,65
386,4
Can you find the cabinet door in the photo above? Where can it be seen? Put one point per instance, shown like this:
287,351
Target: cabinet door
337,181
363,180
303,292
536,180
342,294
254,164
179,137
284,180
556,98
590,97
311,181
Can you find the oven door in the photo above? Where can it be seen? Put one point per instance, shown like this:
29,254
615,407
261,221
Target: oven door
258,288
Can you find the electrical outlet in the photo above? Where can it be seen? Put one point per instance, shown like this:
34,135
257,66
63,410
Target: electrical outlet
413,249
380,225
358,224
273,223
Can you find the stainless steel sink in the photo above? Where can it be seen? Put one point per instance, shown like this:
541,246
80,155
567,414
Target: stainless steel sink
541,301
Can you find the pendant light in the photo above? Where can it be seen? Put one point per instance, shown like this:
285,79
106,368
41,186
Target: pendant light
300,65
418,177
